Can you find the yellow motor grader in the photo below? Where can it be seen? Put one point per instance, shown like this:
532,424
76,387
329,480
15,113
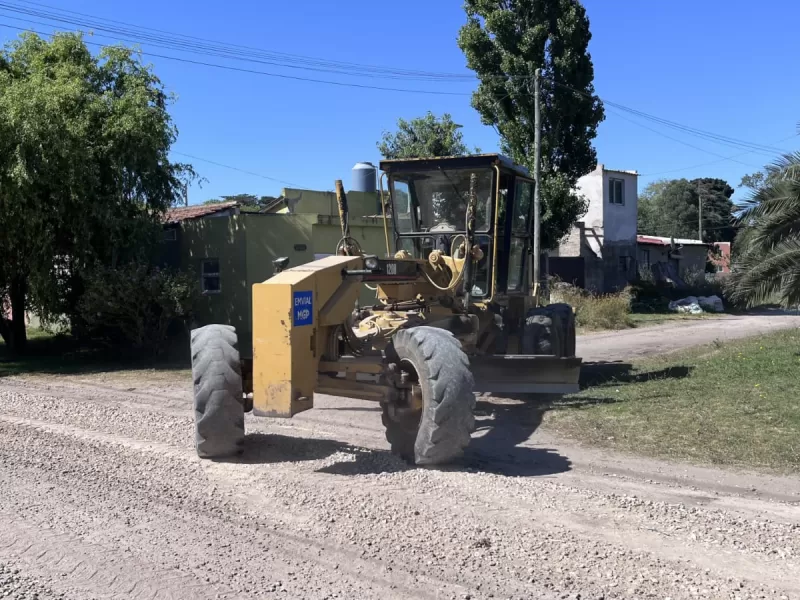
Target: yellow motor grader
456,312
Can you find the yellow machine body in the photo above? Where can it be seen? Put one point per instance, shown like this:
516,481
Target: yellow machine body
293,314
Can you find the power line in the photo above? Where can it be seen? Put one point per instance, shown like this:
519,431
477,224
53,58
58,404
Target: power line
683,142
268,74
725,140
289,183
713,162
200,45
196,45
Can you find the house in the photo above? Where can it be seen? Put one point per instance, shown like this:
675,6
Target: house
603,242
229,250
682,255
721,257
672,257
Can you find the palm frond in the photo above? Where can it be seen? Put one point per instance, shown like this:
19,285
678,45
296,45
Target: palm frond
767,277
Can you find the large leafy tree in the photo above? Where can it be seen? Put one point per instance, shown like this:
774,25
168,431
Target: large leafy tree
670,208
505,41
768,265
428,136
84,169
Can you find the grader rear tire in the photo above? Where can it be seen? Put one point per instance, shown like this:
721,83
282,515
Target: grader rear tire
441,431
542,333
568,326
218,398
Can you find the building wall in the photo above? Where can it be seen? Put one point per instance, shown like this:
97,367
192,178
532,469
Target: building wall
619,221
692,257
246,245
223,239
324,203
592,188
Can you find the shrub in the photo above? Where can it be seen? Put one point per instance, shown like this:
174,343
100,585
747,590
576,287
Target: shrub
609,311
136,306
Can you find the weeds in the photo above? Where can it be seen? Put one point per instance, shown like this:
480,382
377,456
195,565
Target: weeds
608,311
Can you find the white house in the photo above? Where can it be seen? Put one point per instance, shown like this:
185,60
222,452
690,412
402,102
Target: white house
605,237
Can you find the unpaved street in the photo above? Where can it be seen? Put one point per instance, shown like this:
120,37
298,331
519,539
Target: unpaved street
103,496
677,335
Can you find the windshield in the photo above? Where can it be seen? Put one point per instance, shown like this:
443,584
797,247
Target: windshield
438,200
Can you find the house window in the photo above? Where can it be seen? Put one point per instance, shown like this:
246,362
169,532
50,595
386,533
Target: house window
616,191
170,235
624,263
210,278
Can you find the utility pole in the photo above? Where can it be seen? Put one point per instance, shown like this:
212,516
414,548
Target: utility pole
700,217
537,156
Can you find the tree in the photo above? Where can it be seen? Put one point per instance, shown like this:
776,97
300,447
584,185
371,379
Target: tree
85,175
427,136
669,208
505,41
767,268
718,220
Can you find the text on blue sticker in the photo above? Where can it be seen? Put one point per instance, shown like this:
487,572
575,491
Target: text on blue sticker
303,309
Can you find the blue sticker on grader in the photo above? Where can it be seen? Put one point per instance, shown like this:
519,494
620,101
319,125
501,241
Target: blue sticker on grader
303,308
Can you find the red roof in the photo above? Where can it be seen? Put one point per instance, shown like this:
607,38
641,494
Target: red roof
184,213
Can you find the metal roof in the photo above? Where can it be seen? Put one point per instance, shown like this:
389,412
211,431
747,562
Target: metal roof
453,162
184,213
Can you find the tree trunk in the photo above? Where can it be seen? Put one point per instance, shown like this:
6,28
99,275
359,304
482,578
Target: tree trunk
19,336
5,329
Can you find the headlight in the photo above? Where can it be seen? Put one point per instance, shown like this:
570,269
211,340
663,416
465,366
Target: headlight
371,263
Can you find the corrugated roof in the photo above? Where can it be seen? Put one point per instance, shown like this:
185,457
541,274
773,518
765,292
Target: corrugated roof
665,241
184,213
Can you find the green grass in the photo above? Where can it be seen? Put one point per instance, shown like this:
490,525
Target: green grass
736,403
50,354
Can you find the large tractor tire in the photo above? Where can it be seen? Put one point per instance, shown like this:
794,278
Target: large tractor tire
542,333
218,398
568,326
440,431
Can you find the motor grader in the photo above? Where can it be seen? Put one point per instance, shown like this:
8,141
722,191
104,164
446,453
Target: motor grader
456,312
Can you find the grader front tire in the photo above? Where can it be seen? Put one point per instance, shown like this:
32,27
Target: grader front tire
218,399
441,431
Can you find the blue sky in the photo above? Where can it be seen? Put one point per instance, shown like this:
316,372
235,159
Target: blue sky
728,67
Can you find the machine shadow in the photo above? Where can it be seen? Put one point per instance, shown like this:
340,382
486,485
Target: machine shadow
501,429
269,448
597,373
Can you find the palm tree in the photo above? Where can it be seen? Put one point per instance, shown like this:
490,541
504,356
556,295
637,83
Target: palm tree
768,267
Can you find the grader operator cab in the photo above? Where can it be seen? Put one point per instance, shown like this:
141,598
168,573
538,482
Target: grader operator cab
456,312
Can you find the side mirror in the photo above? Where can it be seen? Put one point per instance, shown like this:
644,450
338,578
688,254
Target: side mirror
280,264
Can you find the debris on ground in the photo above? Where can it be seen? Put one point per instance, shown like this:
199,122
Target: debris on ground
697,305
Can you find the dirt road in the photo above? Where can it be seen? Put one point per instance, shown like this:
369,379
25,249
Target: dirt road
102,496
647,341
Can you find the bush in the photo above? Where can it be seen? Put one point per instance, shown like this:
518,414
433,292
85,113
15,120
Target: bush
137,306
609,311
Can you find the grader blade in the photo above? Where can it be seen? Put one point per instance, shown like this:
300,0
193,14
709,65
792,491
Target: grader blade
526,374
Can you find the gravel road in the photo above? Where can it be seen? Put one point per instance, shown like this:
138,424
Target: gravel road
678,335
102,496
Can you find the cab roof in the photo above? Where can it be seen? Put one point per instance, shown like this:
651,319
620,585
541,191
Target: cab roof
470,161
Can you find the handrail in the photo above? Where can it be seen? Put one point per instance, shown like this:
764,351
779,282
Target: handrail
383,211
